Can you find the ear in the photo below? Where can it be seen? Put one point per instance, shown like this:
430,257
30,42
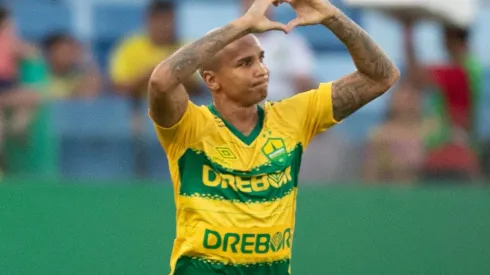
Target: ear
211,80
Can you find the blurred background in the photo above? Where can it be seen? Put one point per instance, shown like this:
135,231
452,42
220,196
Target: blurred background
400,187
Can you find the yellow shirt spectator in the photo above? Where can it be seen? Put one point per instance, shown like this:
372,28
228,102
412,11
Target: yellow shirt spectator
137,56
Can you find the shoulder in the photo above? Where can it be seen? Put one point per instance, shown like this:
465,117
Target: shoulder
323,89
198,117
202,110
197,113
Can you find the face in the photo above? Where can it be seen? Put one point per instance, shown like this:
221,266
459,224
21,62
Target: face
161,27
450,41
64,56
242,76
455,44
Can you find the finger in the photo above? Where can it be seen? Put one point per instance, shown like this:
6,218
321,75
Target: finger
278,26
294,23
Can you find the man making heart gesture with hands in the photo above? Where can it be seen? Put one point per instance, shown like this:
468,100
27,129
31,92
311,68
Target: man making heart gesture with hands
234,164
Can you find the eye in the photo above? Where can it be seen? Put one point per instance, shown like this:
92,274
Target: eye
245,63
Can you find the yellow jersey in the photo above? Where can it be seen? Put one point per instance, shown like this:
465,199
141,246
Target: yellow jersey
235,195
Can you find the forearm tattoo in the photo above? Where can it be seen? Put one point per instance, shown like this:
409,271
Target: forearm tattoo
374,68
188,59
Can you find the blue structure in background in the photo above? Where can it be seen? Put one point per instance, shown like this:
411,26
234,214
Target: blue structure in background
111,23
95,136
38,18
319,37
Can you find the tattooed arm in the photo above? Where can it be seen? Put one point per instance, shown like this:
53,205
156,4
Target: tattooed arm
375,72
168,97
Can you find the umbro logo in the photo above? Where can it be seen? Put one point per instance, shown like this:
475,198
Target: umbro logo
226,153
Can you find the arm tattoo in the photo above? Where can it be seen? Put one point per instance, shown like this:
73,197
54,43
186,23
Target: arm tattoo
188,59
367,55
350,94
168,96
375,71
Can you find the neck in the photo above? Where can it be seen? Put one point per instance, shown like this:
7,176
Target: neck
160,41
242,118
157,42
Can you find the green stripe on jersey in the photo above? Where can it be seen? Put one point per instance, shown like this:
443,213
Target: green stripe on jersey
199,176
195,265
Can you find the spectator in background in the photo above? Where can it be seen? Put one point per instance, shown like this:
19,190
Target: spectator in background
135,58
72,74
133,62
290,60
17,103
453,104
394,150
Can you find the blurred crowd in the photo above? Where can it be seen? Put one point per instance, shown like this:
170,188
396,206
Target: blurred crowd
427,134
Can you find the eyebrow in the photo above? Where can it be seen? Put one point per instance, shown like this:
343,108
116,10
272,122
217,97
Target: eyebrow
249,57
244,59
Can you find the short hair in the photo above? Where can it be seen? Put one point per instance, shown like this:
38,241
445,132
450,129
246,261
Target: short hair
159,6
210,64
54,39
213,64
460,33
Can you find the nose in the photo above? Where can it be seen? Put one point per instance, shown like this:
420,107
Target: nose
261,70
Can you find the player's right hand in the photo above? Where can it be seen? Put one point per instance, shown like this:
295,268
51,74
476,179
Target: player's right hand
257,19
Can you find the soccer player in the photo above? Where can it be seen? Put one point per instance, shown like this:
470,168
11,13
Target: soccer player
234,164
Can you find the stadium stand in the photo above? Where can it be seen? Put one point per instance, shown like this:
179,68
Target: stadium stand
97,132
93,138
35,19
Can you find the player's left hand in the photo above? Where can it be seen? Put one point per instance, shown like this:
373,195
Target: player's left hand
310,12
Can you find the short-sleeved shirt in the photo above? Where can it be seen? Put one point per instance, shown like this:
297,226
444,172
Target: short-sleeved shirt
456,103
235,195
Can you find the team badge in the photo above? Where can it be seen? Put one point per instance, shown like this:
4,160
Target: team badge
275,150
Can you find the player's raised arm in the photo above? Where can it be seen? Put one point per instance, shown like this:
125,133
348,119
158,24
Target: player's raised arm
375,73
168,97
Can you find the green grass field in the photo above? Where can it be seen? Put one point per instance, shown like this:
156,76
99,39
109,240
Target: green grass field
77,229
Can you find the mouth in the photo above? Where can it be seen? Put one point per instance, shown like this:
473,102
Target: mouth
260,83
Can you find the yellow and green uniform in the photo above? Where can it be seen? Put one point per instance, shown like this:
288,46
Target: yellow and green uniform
235,195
